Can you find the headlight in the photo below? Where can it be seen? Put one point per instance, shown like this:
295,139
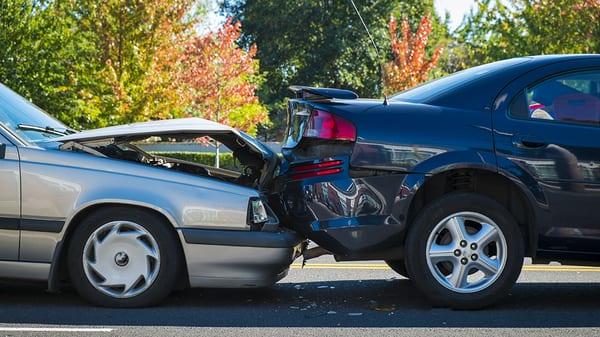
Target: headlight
258,212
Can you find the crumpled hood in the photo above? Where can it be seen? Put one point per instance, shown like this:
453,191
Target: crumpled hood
130,132
143,129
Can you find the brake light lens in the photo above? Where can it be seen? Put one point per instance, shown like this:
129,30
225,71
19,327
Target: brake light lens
325,125
306,171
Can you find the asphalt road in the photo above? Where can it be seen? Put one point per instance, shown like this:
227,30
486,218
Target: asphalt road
324,299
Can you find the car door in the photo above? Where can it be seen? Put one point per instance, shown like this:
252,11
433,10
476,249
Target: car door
548,123
10,201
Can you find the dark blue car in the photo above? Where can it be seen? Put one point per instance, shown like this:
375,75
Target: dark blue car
454,182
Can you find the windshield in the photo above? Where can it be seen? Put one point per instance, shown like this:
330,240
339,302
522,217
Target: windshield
431,89
15,110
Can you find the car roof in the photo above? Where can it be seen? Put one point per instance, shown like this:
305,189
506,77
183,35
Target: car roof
563,56
456,90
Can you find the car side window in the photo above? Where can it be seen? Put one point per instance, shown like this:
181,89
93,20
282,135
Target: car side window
569,98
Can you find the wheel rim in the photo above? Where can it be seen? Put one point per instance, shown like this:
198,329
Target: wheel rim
466,252
121,259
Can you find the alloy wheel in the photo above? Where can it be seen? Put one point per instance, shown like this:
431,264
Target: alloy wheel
466,252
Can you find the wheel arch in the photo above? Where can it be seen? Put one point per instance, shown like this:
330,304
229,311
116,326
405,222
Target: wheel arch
502,186
59,268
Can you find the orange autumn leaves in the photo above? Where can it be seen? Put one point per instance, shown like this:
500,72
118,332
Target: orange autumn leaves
221,79
169,70
410,64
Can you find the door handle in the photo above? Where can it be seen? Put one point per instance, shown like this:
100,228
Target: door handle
528,142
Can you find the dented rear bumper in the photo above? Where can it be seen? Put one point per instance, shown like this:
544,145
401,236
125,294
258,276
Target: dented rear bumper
354,218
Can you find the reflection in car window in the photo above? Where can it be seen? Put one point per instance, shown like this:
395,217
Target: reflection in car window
573,98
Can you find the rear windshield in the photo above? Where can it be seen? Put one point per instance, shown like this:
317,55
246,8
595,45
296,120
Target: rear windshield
431,89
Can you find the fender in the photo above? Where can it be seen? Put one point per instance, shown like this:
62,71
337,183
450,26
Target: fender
441,163
53,281
525,183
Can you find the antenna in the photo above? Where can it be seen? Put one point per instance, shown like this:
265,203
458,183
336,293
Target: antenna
385,102
365,25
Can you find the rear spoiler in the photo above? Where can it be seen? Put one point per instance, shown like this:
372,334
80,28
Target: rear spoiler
312,93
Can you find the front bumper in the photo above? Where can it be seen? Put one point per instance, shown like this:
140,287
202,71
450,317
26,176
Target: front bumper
238,259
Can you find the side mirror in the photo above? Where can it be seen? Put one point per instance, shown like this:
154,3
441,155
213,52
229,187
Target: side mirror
2,151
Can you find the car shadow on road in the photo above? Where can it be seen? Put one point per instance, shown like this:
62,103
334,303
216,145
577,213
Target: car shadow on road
372,303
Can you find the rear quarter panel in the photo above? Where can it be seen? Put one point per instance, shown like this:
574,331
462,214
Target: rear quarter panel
418,138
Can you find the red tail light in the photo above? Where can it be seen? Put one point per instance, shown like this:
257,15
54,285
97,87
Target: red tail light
316,170
325,125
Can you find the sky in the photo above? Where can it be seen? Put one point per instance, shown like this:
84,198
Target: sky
456,8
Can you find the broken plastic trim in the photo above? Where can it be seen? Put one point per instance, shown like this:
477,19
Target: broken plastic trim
313,253
72,145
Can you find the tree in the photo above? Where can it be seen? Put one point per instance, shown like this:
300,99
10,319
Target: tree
320,43
95,63
44,58
410,64
496,30
222,79
138,47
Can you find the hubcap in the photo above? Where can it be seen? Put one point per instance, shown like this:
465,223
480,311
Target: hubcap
121,259
466,252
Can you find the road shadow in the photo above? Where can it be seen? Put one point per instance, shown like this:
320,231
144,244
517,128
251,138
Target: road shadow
372,303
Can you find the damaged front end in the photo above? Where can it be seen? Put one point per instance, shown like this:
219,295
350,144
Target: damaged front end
230,235
253,163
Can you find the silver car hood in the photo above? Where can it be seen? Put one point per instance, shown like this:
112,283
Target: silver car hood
129,132
160,127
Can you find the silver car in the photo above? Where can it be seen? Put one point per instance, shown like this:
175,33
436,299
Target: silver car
125,227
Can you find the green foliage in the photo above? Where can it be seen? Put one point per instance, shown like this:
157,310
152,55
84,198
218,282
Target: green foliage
226,160
91,63
45,59
496,31
239,115
321,43
95,63
137,48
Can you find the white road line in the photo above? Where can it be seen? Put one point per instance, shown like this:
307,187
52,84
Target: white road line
41,329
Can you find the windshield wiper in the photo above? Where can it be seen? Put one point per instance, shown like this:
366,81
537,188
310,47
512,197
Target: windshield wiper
46,129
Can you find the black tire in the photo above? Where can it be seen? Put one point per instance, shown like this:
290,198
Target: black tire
170,255
398,266
419,232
